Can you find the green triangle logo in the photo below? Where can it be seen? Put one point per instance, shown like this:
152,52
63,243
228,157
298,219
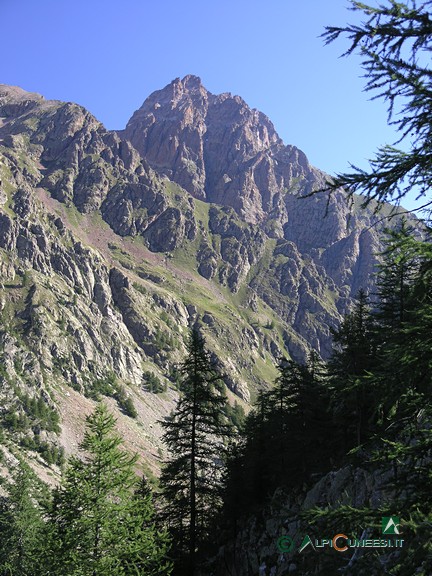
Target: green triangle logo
306,542
390,525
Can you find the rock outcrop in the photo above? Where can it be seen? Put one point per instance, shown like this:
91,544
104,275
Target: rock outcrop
255,545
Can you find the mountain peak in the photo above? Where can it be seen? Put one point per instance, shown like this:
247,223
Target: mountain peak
184,88
215,146
190,82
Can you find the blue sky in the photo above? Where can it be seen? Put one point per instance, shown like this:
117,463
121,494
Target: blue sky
109,56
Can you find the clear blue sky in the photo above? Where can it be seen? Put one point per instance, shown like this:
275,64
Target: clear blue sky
109,56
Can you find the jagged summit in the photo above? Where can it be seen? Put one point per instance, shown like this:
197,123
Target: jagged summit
214,146
194,86
189,82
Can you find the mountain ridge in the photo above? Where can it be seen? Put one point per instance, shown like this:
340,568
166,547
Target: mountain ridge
107,263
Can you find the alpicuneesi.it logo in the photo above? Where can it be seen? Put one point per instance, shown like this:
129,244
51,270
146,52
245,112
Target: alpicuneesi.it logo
390,525
341,542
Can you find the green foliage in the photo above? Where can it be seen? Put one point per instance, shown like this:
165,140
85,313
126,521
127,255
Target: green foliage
353,396
369,406
97,524
164,340
125,402
194,435
16,421
140,288
101,519
60,364
151,557
175,377
394,44
109,386
30,413
377,385
3,372
283,440
235,415
152,383
21,526
26,278
39,411
165,317
398,444
50,453
395,276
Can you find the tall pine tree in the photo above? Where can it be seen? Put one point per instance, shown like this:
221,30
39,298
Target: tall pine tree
283,442
194,435
353,357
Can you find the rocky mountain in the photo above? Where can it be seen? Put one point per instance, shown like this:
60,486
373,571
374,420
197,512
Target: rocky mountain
113,244
321,252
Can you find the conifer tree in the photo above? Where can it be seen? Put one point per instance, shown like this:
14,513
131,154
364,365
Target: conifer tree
298,421
353,405
283,441
194,435
253,457
394,44
395,277
146,545
291,414
21,526
97,526
395,311
413,350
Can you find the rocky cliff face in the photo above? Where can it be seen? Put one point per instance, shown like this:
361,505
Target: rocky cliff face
113,245
219,150
319,252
